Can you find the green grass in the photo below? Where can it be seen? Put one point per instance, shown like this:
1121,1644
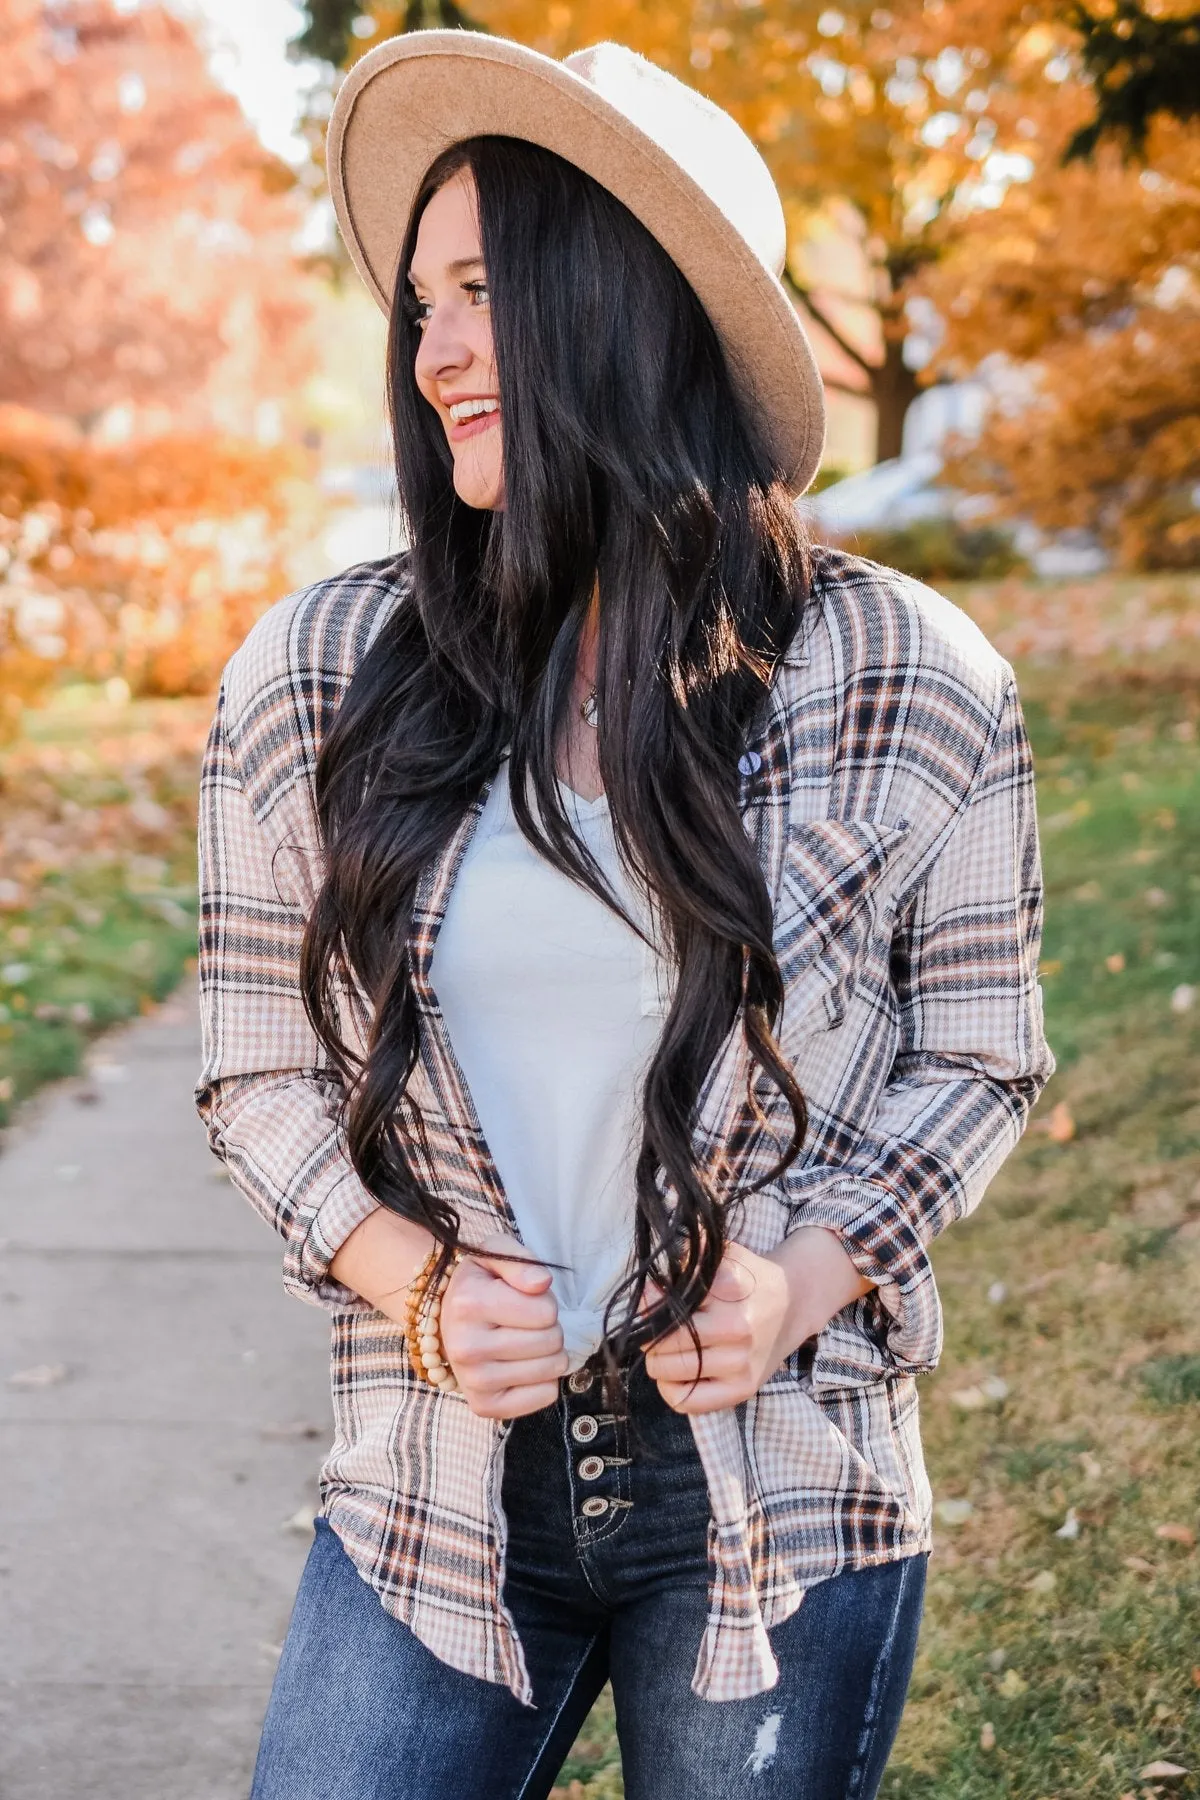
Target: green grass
1077,1282
1119,799
97,839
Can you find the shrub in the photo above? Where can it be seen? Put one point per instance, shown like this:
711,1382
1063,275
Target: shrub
827,476
148,561
941,550
1165,534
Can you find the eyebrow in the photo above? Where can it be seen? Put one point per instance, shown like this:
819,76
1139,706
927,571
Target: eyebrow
456,267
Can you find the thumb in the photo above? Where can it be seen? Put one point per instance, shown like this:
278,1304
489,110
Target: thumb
527,1276
733,1281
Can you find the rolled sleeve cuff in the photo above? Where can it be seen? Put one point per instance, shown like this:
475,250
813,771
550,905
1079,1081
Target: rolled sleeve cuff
897,1329
319,1236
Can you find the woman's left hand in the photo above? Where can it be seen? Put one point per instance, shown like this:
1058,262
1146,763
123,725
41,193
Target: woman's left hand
758,1310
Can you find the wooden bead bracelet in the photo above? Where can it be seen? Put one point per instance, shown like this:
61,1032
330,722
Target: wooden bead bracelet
422,1321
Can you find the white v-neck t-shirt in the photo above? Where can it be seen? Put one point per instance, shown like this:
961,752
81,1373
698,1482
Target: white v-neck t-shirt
553,1008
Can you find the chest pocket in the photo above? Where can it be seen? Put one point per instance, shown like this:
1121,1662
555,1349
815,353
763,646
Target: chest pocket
834,905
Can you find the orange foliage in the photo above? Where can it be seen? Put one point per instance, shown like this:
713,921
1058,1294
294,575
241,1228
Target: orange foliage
932,134
147,236
148,562
1091,275
877,122
147,265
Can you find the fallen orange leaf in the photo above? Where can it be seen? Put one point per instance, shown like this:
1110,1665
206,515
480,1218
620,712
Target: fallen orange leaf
1060,1126
1176,1534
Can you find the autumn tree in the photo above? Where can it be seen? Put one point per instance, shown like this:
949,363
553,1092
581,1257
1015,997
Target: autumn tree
1080,290
147,237
879,123
147,263
332,27
1143,64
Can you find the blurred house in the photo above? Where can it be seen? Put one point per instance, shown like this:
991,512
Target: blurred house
908,488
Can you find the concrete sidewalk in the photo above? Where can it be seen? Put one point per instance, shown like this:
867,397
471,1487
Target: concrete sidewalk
168,1414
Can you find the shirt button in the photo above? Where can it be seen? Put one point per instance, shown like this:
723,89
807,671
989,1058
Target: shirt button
591,1468
580,1381
594,1507
750,764
584,1429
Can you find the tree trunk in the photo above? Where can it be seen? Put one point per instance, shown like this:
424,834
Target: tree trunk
893,389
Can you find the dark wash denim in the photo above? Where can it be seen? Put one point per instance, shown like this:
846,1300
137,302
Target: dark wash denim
607,1578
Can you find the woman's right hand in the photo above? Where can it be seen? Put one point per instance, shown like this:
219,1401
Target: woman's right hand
501,1332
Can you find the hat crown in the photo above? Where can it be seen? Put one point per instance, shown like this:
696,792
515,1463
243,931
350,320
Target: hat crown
680,164
701,137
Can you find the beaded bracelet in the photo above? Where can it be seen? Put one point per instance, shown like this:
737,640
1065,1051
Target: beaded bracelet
422,1322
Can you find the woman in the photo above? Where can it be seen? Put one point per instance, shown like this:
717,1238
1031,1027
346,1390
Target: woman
620,924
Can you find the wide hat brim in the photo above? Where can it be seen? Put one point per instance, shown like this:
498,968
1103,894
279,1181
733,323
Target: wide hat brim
410,98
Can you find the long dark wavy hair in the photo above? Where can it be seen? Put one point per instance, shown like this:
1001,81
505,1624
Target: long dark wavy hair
627,459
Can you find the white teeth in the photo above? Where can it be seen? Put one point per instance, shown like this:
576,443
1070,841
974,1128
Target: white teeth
467,409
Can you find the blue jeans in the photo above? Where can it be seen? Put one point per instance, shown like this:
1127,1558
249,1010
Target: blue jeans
607,1578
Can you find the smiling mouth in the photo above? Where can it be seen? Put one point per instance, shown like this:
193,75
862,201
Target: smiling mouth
465,428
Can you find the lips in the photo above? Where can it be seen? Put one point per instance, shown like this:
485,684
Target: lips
466,428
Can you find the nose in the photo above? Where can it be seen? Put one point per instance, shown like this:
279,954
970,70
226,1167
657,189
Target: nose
442,349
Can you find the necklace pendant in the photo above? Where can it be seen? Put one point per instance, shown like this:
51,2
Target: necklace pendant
589,711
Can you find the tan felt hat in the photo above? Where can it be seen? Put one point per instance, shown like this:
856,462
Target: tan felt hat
681,165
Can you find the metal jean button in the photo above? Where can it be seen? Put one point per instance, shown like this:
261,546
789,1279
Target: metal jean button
584,1428
591,1468
580,1381
594,1507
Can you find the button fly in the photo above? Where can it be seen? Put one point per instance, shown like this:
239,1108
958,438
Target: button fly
594,1507
584,1429
591,1468
580,1381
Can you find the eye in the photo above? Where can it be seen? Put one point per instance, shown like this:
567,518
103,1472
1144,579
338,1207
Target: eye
475,288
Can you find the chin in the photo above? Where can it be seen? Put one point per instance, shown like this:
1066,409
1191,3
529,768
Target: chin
480,488
482,499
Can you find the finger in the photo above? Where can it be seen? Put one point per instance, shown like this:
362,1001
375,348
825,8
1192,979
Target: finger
725,1363
484,1300
496,1378
489,1343
514,1402
723,1327
703,1396
733,1281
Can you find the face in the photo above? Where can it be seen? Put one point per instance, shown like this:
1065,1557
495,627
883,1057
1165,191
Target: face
455,363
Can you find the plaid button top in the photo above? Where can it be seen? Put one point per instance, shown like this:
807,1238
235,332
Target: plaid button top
888,790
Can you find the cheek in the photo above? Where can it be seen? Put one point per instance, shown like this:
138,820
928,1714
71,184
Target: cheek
482,346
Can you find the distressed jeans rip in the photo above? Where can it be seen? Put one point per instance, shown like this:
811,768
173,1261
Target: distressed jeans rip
766,1743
